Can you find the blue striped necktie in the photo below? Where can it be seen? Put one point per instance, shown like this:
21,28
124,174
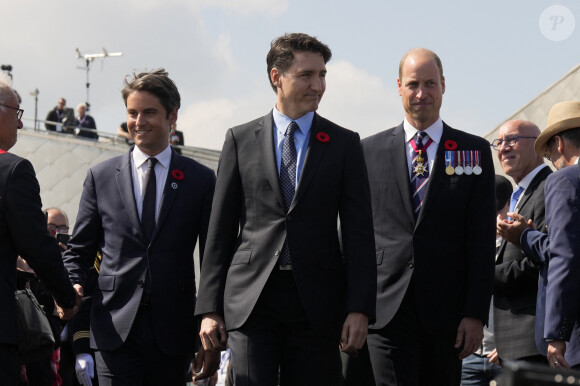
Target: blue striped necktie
420,171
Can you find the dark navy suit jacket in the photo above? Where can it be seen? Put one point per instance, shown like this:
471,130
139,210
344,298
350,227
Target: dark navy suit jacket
23,232
558,311
108,221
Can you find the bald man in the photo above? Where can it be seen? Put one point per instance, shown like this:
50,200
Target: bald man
516,275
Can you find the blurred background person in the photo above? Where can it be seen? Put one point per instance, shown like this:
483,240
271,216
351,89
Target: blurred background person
85,124
44,371
62,114
176,138
123,132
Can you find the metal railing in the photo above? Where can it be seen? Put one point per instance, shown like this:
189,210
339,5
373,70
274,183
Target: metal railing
206,156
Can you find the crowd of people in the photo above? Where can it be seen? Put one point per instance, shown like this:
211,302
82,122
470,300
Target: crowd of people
399,292
62,119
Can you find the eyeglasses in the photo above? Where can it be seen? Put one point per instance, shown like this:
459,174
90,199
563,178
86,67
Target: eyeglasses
19,111
509,141
54,229
548,152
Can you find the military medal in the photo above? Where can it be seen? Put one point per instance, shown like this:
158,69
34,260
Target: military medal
477,169
420,169
450,170
467,156
459,167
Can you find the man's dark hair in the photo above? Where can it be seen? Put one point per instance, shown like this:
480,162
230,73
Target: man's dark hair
158,83
281,54
572,136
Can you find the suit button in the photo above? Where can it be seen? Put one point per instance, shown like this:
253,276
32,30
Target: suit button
289,218
141,283
277,253
411,264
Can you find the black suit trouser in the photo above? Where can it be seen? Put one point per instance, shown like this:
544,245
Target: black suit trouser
277,337
403,353
139,361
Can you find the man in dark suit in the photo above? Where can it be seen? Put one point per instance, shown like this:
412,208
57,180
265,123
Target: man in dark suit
22,232
85,124
559,250
61,114
434,213
516,275
144,211
274,269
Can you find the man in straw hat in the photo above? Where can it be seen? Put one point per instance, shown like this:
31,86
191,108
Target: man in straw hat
559,143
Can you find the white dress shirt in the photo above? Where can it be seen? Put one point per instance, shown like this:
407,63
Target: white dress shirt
435,131
139,170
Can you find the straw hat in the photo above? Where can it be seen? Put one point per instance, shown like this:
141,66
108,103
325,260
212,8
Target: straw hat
563,116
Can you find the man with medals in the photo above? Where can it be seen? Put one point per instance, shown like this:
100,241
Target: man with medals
433,291
516,274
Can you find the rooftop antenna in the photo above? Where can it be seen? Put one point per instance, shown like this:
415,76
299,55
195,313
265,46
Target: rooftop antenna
88,58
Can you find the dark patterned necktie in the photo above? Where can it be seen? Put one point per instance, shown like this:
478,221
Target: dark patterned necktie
149,198
288,179
420,172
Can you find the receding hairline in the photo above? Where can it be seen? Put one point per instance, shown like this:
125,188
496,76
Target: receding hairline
525,126
424,52
55,209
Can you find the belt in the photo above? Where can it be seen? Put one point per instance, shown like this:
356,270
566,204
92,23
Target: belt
285,267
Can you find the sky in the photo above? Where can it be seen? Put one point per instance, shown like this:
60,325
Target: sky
497,56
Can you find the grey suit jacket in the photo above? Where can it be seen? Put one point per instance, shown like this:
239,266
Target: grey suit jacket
516,282
448,249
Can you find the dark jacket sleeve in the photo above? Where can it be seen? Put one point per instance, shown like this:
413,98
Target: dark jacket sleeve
30,236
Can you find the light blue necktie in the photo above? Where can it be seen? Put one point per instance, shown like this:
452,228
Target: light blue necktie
515,196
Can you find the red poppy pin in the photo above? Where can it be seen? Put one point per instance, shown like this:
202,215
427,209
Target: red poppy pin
450,145
177,174
323,137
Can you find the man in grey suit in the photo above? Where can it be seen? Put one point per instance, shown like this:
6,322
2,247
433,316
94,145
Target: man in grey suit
557,318
144,211
274,270
516,275
432,191
22,232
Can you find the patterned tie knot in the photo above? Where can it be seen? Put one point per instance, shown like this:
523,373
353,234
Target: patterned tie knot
151,162
291,129
420,138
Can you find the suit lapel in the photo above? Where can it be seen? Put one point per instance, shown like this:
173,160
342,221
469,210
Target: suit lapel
170,191
265,137
397,148
542,174
314,155
124,178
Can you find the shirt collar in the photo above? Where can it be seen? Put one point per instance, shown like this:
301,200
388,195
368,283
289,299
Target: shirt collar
527,180
435,131
281,121
163,158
